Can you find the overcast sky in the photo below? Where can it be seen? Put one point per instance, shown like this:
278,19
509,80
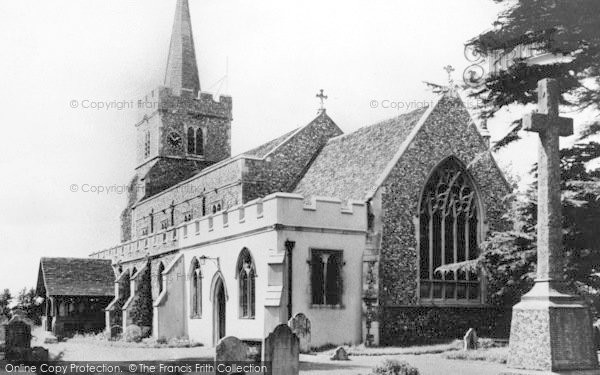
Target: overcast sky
279,54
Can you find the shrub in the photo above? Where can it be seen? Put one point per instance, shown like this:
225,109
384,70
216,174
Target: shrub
161,340
133,333
395,367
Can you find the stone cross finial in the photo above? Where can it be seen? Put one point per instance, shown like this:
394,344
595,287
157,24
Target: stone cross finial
322,97
550,127
449,69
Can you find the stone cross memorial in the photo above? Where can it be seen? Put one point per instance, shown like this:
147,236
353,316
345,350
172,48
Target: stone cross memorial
551,330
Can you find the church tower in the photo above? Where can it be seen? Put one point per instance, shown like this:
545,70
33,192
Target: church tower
181,129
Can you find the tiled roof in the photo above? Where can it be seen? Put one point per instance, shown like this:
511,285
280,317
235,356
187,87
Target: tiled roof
349,165
77,277
262,150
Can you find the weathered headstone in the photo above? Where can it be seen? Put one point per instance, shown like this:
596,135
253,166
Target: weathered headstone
17,340
551,327
300,325
282,349
339,354
470,340
231,349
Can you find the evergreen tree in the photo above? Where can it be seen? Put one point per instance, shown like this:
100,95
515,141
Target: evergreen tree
567,28
5,298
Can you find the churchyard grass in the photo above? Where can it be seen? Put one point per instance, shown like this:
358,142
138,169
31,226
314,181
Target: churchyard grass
412,350
497,355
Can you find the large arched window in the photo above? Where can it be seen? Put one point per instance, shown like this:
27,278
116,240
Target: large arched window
191,140
448,233
160,278
196,289
246,273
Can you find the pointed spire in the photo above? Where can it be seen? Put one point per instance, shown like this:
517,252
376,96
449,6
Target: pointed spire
182,70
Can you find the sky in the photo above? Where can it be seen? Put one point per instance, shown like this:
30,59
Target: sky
275,56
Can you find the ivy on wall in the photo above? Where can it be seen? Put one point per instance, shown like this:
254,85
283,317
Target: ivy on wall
142,310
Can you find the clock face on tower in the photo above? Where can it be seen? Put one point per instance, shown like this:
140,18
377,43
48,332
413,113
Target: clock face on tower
175,141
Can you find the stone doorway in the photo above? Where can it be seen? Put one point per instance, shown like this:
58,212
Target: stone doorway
219,311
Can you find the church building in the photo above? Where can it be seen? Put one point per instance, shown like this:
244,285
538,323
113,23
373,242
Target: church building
347,229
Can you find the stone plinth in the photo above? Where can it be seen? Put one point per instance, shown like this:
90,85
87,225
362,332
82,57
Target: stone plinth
551,333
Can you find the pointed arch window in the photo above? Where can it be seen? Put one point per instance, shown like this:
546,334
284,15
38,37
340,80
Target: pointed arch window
199,142
449,226
196,289
191,140
160,278
246,273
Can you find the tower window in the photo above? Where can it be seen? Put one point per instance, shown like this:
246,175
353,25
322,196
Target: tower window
448,233
195,141
191,138
199,142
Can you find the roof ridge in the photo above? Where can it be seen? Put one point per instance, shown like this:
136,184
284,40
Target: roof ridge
387,120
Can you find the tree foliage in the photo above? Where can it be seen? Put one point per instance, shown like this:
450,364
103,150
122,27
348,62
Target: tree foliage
27,301
142,309
567,28
5,299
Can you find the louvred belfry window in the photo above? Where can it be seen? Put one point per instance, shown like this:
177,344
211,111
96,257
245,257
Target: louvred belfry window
448,233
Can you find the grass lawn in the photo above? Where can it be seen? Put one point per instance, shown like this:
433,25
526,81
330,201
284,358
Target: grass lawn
430,360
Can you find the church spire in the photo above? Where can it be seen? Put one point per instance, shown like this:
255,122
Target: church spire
182,71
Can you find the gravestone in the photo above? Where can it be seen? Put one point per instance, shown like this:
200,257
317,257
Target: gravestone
282,349
470,340
339,354
17,340
300,325
231,349
551,329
